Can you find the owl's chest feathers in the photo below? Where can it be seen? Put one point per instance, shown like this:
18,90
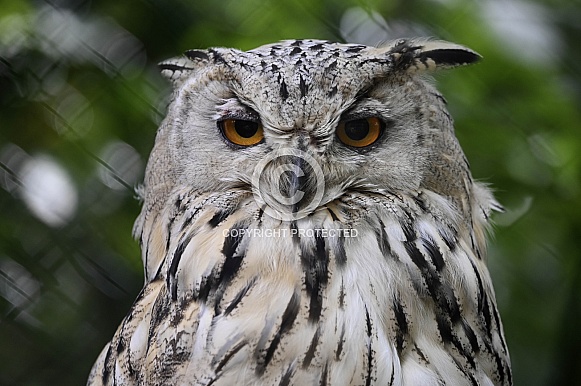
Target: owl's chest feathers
348,304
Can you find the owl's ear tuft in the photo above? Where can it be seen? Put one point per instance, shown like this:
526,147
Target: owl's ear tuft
416,56
178,69
197,55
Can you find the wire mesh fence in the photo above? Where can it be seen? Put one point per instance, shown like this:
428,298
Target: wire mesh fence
81,98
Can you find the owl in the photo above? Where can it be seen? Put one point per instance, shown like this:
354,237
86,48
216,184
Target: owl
309,218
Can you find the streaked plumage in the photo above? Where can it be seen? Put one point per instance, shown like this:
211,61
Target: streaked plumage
384,283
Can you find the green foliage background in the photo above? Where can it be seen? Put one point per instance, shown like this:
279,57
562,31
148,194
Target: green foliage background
79,75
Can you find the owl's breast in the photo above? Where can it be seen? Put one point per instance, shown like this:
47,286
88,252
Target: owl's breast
307,302
390,297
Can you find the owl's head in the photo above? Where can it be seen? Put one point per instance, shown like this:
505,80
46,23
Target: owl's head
308,121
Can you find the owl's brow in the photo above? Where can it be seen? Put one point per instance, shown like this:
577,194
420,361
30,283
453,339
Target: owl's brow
364,92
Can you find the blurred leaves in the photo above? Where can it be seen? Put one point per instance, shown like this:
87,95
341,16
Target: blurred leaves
81,98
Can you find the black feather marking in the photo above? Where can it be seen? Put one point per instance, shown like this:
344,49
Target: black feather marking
462,350
303,86
321,250
169,232
295,51
229,270
196,55
264,65
408,231
500,367
207,284
315,265
467,374
370,359
417,199
220,276
173,67
444,328
173,268
487,317
421,354
295,233
447,300
323,381
448,336
286,377
443,295
332,92
239,296
434,253
120,345
354,50
159,312
218,217
342,295
333,215
472,339
472,379
283,90
449,57
481,294
405,54
340,344
259,216
416,256
311,350
384,246
107,365
497,322
331,66
234,257
449,240
229,356
188,220
218,58
231,243
402,325
288,318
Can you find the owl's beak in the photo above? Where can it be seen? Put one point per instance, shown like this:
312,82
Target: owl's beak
291,184
295,182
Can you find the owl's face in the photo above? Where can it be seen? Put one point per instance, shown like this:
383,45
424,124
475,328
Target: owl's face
311,118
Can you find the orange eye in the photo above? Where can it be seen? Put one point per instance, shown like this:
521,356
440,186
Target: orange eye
241,132
359,132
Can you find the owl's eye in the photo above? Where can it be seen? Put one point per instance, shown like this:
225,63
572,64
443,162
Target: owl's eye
241,132
359,132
